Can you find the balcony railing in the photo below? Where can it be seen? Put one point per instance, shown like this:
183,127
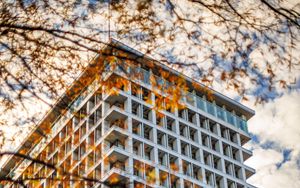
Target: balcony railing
191,99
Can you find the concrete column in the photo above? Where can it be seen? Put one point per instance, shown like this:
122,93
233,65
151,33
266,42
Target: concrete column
176,112
225,182
153,119
204,105
215,107
199,140
156,169
130,170
194,98
234,119
129,88
203,174
181,182
128,105
177,139
103,108
219,130
223,165
243,174
225,115
238,139
129,124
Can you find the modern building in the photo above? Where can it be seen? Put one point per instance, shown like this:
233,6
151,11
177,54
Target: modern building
130,121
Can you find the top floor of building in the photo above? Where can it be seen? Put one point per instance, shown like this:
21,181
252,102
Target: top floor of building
137,66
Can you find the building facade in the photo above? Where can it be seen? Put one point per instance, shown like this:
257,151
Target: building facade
125,128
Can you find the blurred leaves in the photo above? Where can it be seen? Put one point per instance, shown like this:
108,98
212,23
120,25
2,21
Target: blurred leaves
42,42
44,45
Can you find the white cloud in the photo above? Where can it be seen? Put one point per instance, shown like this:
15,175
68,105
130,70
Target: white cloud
276,122
268,174
260,155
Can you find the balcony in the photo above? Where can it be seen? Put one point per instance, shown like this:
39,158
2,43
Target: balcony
147,132
118,100
217,162
187,184
197,173
174,163
150,174
249,172
163,178
172,143
161,138
137,127
137,147
115,139
163,158
116,169
170,124
115,118
185,148
246,154
174,181
148,152
186,168
209,176
117,178
195,152
138,169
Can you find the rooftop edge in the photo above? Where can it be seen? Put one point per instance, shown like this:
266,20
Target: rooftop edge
219,96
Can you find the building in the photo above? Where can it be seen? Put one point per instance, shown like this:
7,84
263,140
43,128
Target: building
129,121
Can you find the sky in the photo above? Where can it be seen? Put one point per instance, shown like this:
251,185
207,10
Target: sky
275,142
275,128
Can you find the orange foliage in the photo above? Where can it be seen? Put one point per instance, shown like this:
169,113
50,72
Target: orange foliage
163,176
114,178
174,167
139,185
151,176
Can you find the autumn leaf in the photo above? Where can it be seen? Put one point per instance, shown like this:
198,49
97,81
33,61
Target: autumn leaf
151,176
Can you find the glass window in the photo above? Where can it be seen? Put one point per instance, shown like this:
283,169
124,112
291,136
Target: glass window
242,124
190,99
106,66
200,103
159,81
230,118
220,113
245,127
146,76
210,108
